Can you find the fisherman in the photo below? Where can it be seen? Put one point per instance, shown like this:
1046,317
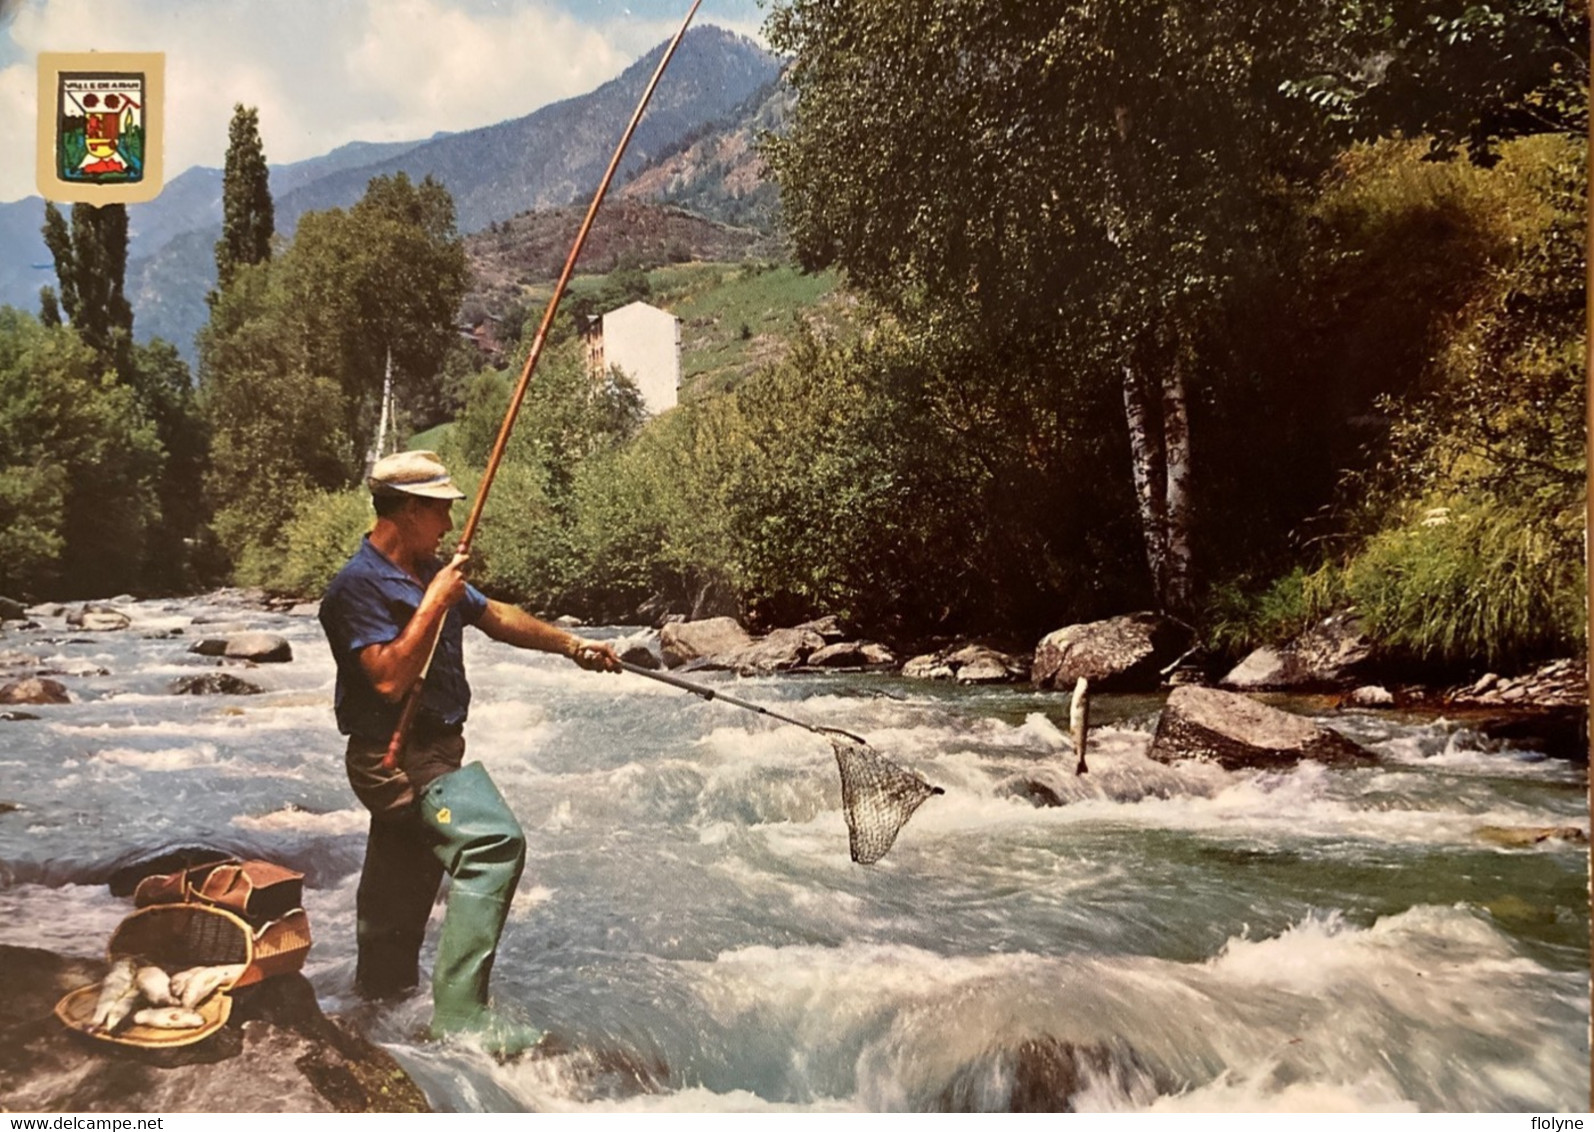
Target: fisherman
430,814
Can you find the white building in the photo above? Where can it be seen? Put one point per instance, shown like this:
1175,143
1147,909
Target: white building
644,342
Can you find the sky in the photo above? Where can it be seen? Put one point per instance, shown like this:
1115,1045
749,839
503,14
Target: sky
326,72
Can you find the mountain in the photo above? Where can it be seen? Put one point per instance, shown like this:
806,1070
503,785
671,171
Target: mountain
715,170
555,155
547,159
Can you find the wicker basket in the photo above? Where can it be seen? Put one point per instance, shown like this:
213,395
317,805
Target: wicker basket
174,937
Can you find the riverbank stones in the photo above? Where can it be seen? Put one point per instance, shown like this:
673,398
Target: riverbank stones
1237,732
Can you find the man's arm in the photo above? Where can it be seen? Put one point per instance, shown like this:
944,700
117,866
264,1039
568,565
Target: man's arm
514,626
394,667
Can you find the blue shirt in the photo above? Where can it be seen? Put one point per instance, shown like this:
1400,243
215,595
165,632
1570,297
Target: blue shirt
369,603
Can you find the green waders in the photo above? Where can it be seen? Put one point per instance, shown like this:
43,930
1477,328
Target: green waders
482,848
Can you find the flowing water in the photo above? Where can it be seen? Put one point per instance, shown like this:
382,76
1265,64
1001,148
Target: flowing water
1171,938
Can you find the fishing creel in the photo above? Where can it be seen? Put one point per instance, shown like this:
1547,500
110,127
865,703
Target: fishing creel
265,896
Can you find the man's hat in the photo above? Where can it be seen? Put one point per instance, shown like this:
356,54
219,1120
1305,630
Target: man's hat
413,473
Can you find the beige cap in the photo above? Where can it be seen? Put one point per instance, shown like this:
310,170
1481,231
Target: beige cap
413,473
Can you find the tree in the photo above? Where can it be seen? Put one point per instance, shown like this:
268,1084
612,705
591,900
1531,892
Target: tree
1467,75
385,276
1090,176
91,267
247,212
78,466
275,422
49,308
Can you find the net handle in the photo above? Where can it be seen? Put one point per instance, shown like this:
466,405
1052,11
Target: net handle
713,694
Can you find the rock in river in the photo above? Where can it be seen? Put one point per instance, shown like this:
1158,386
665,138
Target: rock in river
1330,654
683,641
1236,731
1120,654
213,683
98,618
262,648
35,690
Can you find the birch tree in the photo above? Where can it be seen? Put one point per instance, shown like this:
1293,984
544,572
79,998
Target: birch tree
1100,170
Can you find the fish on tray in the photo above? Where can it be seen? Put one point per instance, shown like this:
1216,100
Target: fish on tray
195,985
169,1018
144,992
119,994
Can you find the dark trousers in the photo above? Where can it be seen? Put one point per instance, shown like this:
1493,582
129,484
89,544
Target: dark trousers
398,886
401,874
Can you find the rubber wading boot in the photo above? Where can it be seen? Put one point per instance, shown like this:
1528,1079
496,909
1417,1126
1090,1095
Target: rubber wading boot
483,849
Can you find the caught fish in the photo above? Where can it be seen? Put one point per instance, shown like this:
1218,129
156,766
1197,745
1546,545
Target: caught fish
202,982
118,995
169,1018
156,986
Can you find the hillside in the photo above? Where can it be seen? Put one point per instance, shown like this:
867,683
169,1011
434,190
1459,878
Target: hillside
716,171
555,155
530,249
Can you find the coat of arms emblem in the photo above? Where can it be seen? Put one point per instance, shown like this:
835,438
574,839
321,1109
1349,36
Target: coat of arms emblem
100,126
99,136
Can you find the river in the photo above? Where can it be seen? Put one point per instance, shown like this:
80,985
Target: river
690,923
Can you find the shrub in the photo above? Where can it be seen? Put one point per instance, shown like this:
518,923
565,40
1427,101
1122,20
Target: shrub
1477,581
324,531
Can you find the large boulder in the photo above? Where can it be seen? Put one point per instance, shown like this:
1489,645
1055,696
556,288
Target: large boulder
12,610
681,642
827,627
277,1053
966,664
98,618
1236,731
261,648
852,654
1120,654
34,690
1334,653
779,651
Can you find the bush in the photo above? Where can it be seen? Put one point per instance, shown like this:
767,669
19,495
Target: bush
324,532
1474,582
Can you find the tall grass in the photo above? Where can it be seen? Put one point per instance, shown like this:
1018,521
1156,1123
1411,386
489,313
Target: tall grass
1477,582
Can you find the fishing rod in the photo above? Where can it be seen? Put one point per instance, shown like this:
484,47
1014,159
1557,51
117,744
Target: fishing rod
714,694
412,699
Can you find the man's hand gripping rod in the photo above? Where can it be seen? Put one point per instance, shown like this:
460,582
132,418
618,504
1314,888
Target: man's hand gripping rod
413,698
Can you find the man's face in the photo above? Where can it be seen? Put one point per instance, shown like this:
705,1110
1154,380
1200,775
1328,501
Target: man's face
429,521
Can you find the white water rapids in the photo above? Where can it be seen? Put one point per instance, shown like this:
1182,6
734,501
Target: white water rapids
1171,938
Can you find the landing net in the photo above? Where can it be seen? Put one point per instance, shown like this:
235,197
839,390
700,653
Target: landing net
877,797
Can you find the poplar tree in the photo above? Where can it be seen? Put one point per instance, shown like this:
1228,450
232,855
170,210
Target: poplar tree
91,268
248,218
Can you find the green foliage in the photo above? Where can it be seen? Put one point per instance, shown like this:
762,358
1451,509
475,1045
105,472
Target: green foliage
385,276
248,215
173,562
91,267
275,424
80,466
323,533
1474,581
1467,75
1237,616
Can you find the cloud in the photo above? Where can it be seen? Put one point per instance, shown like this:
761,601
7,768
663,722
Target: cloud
323,74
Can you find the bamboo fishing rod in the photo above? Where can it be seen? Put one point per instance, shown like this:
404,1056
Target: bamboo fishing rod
412,699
